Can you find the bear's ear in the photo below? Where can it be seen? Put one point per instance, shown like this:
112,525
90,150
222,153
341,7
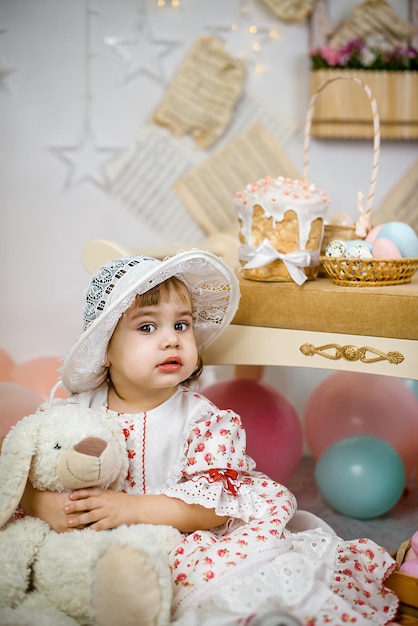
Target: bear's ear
15,461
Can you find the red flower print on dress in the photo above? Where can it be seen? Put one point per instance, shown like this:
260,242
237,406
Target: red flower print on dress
197,432
222,552
208,434
200,447
126,433
181,579
131,454
209,575
208,458
224,432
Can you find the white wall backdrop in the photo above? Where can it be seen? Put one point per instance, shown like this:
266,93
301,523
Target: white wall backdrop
65,65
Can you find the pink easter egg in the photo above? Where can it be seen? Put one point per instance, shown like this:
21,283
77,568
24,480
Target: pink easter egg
371,236
410,568
385,249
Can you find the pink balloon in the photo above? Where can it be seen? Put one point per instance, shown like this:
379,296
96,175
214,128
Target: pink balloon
274,431
346,404
6,365
16,402
40,375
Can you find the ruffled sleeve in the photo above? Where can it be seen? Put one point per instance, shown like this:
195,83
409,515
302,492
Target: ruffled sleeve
218,473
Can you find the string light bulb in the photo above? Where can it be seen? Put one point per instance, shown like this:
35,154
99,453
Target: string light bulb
174,3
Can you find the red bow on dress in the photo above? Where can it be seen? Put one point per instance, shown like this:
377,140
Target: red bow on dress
225,476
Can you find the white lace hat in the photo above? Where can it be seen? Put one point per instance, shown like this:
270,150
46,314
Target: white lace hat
213,288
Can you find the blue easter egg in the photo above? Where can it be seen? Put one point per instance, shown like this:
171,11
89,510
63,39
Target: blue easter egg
403,236
356,242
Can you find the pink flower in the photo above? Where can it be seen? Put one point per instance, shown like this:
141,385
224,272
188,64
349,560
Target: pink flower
331,55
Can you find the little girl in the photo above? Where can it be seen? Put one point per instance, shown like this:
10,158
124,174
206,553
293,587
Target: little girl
245,553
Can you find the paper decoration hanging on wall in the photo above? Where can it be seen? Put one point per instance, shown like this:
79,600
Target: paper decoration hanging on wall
290,10
202,96
370,18
400,204
208,191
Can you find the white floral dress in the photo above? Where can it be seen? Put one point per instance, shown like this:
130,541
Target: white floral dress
267,557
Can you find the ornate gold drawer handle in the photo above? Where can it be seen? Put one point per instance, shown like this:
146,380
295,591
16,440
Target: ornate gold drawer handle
351,353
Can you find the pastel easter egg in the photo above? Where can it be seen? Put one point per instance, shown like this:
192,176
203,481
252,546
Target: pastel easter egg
410,568
359,251
385,249
336,248
359,242
371,236
402,235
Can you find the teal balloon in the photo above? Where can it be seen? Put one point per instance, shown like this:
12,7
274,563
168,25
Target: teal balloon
361,477
412,385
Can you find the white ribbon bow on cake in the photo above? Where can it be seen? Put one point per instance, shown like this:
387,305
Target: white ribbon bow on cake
265,253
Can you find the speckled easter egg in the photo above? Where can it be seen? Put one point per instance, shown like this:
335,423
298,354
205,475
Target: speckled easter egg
361,242
402,235
385,249
336,248
359,251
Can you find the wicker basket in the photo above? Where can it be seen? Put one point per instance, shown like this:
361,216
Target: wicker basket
406,588
363,225
369,272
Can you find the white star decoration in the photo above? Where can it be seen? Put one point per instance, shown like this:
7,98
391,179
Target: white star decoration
86,161
244,39
141,52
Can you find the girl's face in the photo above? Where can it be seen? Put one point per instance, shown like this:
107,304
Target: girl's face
153,347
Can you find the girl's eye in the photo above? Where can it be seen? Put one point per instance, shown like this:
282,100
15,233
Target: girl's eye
147,328
181,326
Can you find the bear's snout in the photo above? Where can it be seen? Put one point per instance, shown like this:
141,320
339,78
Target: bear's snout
92,446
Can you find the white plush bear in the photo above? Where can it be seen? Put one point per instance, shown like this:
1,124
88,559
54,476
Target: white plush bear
86,577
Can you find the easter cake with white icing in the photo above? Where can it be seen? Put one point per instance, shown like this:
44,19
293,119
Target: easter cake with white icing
281,226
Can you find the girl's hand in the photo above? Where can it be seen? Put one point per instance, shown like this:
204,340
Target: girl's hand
48,506
100,509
